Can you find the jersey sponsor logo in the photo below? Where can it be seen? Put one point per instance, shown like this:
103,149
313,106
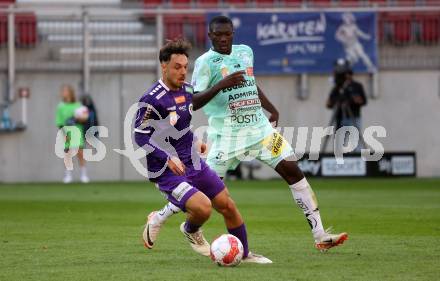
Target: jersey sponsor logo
242,103
246,118
173,118
217,60
247,83
180,99
180,190
237,65
242,95
244,109
182,107
275,143
173,108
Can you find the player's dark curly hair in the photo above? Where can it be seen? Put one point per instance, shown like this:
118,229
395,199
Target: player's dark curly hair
221,20
177,46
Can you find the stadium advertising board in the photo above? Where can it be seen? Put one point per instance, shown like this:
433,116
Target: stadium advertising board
394,164
307,42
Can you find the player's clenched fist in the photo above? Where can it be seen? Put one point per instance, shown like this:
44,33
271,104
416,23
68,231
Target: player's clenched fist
233,79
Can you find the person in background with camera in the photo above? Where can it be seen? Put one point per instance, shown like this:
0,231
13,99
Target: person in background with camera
69,112
346,98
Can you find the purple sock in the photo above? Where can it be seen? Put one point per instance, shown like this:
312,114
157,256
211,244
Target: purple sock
190,227
240,233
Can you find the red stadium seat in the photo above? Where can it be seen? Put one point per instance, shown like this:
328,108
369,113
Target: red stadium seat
400,25
207,3
291,3
153,3
174,27
319,3
235,3
6,2
434,3
199,26
265,3
180,4
429,28
403,3
3,29
380,3
26,28
350,3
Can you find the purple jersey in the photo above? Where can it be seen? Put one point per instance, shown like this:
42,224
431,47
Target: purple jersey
163,123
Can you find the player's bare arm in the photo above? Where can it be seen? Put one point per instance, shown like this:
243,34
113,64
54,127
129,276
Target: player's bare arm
267,105
202,98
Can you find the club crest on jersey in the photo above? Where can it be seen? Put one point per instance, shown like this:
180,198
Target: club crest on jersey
173,118
224,72
180,99
190,108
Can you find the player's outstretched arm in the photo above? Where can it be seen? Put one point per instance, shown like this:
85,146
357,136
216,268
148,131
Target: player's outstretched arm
202,98
267,105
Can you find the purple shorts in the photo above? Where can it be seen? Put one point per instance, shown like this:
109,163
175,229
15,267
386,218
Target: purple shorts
178,189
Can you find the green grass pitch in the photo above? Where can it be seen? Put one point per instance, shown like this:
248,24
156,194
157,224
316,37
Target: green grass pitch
93,232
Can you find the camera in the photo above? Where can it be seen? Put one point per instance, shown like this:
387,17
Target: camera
341,68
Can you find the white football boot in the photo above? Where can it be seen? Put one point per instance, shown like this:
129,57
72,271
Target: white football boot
67,177
197,241
255,258
329,240
85,179
151,230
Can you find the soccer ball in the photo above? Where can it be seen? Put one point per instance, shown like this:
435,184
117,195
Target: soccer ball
227,250
81,114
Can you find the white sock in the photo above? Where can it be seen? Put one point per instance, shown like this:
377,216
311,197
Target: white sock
167,211
83,171
306,200
68,173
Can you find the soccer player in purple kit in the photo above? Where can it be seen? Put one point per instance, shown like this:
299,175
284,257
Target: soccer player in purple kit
162,128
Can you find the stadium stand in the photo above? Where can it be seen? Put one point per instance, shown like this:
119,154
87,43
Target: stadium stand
26,24
265,3
397,27
3,29
285,3
429,31
61,40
